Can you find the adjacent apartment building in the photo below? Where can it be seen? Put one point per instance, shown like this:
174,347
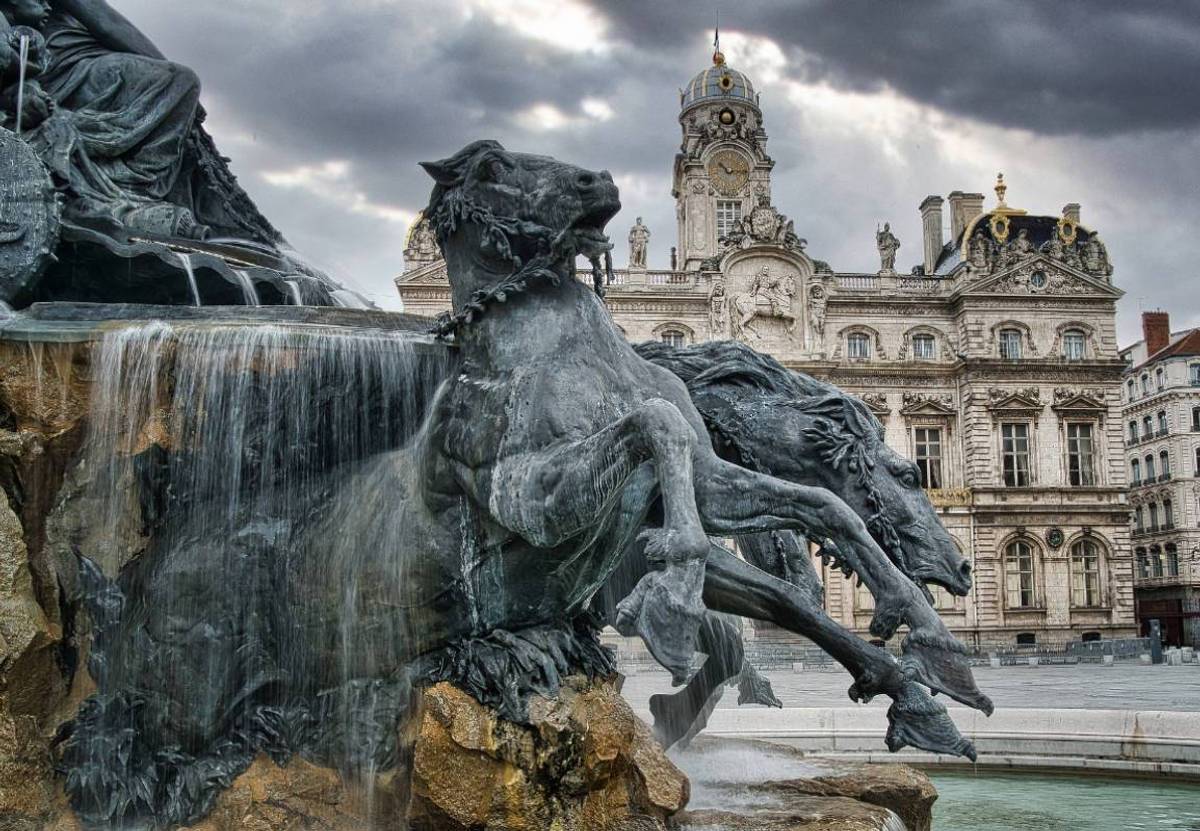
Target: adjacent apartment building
992,361
1162,441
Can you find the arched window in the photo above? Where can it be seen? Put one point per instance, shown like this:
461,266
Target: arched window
1149,462
1019,577
1145,385
924,347
1085,574
1160,378
1135,470
1143,565
1172,560
1129,388
1133,432
1139,519
1074,342
1153,511
1168,514
1156,561
1147,427
1010,344
1164,465
1162,422
673,337
858,345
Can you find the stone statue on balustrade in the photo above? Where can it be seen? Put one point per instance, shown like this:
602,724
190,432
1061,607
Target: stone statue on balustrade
639,239
718,309
888,245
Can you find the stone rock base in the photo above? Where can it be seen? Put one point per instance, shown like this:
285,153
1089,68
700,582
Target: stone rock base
585,763
758,786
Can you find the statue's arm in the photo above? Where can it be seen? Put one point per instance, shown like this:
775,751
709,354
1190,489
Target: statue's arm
109,27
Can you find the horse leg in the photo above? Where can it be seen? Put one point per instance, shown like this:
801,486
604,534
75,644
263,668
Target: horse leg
915,718
551,495
735,500
686,712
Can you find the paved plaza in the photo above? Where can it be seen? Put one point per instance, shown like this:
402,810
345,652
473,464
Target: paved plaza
1123,686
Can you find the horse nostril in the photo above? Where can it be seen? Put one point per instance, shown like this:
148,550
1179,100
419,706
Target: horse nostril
585,180
966,570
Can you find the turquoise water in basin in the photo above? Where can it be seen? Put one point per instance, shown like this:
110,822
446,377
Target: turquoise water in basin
989,801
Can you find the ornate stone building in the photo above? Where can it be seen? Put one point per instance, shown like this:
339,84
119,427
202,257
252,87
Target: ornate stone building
1162,439
993,363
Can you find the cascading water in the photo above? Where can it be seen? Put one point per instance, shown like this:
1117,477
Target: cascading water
186,261
249,295
23,58
230,437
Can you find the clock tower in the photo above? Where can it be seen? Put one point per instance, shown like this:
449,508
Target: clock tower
722,170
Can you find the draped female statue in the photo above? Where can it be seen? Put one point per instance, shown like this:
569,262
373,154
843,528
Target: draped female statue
118,125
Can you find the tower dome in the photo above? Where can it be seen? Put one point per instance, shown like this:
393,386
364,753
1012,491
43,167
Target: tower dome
718,82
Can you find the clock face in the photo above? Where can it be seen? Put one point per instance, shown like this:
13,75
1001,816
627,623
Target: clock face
729,171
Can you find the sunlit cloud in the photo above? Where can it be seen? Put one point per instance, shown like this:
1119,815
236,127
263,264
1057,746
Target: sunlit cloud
564,24
332,181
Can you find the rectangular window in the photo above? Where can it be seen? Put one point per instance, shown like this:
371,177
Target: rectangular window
1162,422
1073,346
924,347
729,211
1196,419
1081,466
1194,374
1010,344
1015,453
858,345
928,445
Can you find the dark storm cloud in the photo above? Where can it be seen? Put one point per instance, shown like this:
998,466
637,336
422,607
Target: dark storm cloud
1106,93
1067,66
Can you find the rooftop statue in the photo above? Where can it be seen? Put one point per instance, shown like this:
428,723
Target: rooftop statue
888,245
553,457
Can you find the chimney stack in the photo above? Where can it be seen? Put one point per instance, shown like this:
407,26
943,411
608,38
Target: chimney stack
931,223
964,207
1071,212
1156,329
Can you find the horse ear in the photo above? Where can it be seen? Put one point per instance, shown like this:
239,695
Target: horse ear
449,172
858,419
441,172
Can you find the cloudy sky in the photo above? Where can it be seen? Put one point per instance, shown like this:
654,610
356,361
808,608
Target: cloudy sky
326,107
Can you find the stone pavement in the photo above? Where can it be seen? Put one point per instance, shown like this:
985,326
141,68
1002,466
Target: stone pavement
1123,686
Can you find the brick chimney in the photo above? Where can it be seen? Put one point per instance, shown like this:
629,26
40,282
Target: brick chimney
931,224
1156,329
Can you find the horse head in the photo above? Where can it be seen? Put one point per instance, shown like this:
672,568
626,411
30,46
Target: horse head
882,486
514,217
768,418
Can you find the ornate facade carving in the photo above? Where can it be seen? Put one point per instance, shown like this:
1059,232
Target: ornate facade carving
421,247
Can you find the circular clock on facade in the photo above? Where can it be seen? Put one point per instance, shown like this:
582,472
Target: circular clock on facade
729,171
726,116
1055,537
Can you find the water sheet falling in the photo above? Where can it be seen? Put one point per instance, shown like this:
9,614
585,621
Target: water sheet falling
230,438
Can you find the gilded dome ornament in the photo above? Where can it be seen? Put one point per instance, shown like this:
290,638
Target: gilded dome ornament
999,224
1067,231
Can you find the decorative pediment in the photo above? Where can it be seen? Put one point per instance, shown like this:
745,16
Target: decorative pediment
1040,275
877,403
1020,402
1090,402
936,404
433,273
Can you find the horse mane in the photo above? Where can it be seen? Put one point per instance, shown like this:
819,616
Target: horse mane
714,364
731,363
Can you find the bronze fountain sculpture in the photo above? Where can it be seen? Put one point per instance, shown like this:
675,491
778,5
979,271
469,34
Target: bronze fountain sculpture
557,470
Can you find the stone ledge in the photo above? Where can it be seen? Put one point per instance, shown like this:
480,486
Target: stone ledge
1159,742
